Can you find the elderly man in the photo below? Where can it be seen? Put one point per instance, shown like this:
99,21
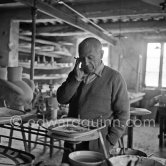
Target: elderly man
94,91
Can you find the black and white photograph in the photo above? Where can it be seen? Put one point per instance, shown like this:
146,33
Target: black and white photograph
82,82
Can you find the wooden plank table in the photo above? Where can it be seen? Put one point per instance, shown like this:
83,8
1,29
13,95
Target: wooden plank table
134,113
134,97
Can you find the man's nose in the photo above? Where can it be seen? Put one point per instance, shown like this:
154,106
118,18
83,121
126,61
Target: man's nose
86,61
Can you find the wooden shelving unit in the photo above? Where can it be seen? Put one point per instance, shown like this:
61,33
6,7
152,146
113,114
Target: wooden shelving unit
49,62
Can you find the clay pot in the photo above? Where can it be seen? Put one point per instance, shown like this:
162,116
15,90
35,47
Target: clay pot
20,94
15,77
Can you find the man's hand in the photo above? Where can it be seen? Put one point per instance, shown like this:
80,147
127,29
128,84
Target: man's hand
79,74
108,139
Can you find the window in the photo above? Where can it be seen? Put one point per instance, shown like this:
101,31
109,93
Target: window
105,56
155,75
164,67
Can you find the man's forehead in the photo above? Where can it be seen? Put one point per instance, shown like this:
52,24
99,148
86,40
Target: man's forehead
88,50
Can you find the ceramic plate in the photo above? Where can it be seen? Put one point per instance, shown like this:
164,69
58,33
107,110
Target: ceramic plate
74,127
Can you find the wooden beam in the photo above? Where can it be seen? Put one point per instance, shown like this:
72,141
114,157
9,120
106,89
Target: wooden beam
107,10
115,8
111,9
24,15
74,21
75,33
126,27
138,26
130,16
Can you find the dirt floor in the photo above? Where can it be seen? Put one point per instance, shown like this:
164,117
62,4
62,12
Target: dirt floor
145,139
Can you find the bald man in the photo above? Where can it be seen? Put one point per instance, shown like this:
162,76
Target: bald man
95,91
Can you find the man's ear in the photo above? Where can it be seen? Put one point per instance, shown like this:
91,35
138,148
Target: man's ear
101,53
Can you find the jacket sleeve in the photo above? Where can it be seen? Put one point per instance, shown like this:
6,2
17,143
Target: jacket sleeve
120,106
68,88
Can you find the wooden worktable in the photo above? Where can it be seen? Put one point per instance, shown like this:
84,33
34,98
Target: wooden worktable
135,97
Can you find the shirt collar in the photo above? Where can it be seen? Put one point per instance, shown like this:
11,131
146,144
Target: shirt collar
98,73
99,69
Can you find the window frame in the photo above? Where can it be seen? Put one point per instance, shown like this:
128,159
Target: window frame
162,42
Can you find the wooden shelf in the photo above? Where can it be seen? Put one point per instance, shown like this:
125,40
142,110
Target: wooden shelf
45,42
54,54
46,66
46,77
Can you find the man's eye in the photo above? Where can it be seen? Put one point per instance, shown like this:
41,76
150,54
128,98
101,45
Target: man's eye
90,57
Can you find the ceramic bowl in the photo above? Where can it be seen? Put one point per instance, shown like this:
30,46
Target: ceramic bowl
86,158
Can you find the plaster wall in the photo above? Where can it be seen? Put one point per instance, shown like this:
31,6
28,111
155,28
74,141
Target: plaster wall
128,57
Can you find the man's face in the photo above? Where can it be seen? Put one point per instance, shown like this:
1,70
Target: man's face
90,59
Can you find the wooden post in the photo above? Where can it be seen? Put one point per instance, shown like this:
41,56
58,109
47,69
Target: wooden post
9,41
139,74
34,14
